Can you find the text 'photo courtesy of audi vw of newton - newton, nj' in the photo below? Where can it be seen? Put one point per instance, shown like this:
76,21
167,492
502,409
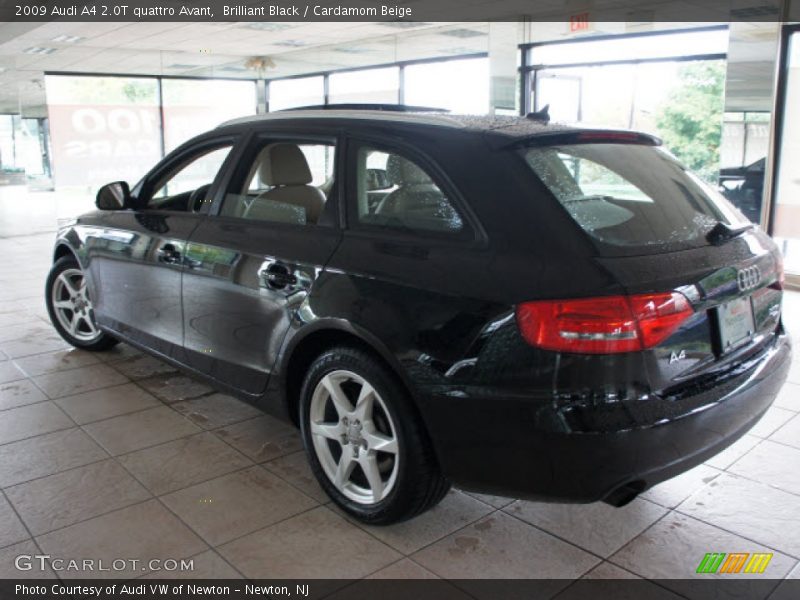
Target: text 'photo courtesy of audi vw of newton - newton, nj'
502,304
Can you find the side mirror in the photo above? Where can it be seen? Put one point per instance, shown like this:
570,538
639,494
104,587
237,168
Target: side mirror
113,196
377,179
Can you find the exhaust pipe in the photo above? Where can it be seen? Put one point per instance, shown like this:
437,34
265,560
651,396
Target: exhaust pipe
625,493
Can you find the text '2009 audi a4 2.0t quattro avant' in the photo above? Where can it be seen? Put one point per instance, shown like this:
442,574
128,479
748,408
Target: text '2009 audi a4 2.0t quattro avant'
516,307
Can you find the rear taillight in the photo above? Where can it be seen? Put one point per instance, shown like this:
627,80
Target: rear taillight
604,325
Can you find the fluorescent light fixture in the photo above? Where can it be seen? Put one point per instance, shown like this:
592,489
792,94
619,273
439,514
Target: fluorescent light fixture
268,26
38,50
463,33
67,39
290,43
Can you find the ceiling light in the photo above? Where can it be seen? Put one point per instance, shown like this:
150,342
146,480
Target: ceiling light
463,33
352,50
38,50
267,26
402,24
182,66
67,39
458,50
291,43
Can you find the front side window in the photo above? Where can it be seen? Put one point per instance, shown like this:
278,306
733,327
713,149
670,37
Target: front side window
185,187
395,192
285,182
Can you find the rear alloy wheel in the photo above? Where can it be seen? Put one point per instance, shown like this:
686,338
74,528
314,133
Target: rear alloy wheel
70,307
365,443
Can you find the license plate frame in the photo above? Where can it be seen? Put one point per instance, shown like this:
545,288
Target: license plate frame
736,323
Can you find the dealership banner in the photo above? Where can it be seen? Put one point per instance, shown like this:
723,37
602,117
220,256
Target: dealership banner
400,11
741,588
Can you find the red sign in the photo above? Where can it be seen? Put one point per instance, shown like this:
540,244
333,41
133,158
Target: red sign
579,22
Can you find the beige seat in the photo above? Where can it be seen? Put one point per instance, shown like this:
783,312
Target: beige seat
284,168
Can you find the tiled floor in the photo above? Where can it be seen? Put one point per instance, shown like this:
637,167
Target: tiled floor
117,455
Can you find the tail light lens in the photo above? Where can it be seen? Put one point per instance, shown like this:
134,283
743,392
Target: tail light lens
605,325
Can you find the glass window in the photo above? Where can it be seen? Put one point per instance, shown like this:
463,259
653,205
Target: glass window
631,195
102,128
641,47
394,192
461,86
290,93
286,183
192,107
379,86
787,193
186,186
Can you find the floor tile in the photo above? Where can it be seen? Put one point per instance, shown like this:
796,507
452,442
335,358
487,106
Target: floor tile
500,546
606,582
19,393
789,433
772,420
60,360
673,548
294,468
144,532
118,353
773,464
30,570
495,501
236,504
28,421
47,454
597,527
315,544
673,491
106,403
787,590
66,498
34,345
77,381
206,565
454,512
28,328
9,372
752,510
11,528
183,462
139,430
789,397
607,570
263,438
141,366
217,410
734,452
403,569
174,387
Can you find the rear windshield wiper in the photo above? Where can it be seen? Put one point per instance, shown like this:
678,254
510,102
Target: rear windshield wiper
721,232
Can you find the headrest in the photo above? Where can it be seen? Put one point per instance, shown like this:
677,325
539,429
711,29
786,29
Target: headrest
283,164
401,171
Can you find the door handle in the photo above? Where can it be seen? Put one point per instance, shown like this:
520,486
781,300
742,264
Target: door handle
169,254
277,276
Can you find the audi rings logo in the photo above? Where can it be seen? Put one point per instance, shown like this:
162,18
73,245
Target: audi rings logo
748,278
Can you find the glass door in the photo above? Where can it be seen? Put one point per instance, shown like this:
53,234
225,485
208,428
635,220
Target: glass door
786,223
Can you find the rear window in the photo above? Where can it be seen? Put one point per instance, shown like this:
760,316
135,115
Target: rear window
631,196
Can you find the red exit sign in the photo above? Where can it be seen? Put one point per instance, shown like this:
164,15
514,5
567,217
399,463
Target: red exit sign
579,22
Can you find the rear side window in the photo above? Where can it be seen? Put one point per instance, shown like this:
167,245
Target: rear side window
631,196
396,192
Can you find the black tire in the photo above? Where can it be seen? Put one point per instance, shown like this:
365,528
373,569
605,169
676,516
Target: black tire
419,483
102,341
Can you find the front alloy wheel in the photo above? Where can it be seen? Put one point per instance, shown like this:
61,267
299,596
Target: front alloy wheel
70,307
365,441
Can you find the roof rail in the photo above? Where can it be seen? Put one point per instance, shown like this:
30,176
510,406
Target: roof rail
366,106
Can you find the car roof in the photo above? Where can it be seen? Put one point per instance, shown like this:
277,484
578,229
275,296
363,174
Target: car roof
507,126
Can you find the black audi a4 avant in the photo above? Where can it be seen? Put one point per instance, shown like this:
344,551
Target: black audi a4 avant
516,307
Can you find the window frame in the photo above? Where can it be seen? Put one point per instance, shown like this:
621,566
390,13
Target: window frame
470,233
251,146
184,155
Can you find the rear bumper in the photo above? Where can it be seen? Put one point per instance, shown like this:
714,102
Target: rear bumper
525,448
